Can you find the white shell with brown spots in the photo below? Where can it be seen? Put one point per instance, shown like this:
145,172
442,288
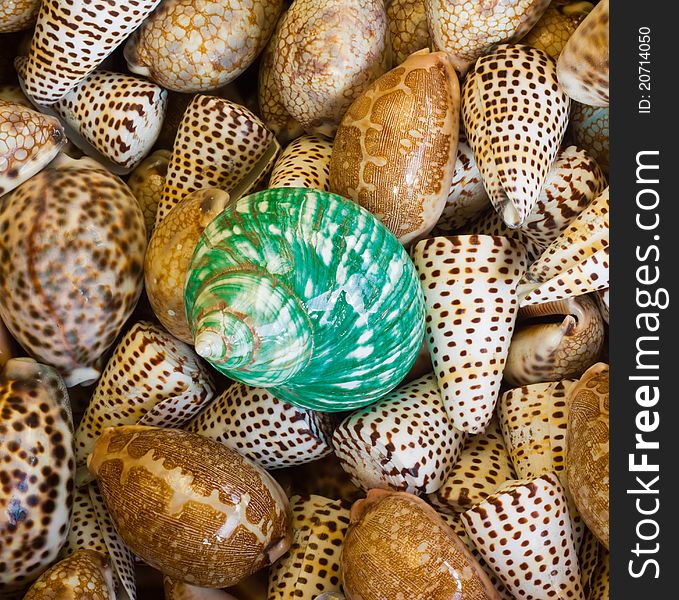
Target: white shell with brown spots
71,38
469,285
16,15
29,141
405,442
118,115
515,115
148,367
312,564
146,183
72,242
266,430
588,558
394,152
328,52
210,524
84,532
200,45
305,162
601,583
408,28
36,477
524,532
556,25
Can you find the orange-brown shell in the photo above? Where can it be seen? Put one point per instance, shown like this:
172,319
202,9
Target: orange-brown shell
16,15
395,149
587,442
408,28
189,506
399,547
146,183
556,26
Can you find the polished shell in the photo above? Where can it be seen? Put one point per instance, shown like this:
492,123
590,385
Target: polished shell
305,162
408,28
557,25
146,183
16,15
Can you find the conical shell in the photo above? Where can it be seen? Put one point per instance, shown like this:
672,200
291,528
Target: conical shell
405,442
524,532
169,255
589,127
68,44
312,565
515,119
556,25
166,504
601,588
394,152
84,532
469,285
36,445
178,590
217,145
79,232
467,30
307,293
588,558
117,115
148,367
483,466
408,28
583,64
146,183
29,141
327,54
305,162
16,15
269,432
85,574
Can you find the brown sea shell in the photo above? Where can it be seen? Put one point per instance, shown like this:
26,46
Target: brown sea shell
16,15
408,28
557,25
178,590
146,183
305,162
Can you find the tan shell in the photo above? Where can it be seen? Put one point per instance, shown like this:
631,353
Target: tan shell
557,25
6,345
408,28
178,590
169,255
588,469
13,93
146,183
398,547
208,524
200,45
327,54
304,163
394,152
588,558
324,477
601,583
16,15
84,532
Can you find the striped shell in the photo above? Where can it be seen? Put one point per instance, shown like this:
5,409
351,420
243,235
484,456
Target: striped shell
210,527
589,128
408,28
394,152
307,293
79,232
305,162
146,183
199,45
557,25
16,15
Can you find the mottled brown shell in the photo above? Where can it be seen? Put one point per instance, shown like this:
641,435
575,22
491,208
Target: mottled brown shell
16,15
557,25
408,28
209,522
146,183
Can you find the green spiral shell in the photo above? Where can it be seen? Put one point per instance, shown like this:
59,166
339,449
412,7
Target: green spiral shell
307,293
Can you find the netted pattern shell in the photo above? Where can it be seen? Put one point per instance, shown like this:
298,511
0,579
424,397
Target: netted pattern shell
408,28
16,15
307,293
305,162
556,25
589,127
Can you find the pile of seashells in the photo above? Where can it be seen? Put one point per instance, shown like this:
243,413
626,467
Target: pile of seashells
304,299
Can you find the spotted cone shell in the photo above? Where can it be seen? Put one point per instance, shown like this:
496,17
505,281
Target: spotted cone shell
601,588
146,183
29,141
165,504
266,430
312,565
305,162
515,115
408,28
588,558
405,442
84,532
589,127
16,15
394,152
583,64
36,481
556,25
469,285
74,226
211,42
72,38
524,532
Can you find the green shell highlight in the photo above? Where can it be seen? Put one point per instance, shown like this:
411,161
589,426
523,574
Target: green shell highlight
307,293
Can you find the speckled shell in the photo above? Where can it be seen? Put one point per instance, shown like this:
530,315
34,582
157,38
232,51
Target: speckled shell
79,232
305,162
178,590
398,547
16,15
589,127
36,480
483,466
467,29
218,144
583,64
394,152
328,52
29,141
469,285
312,564
169,255
307,293
588,470
601,583
146,183
524,532
68,43
117,115
408,28
148,369
405,442
200,45
210,525
557,25
269,432
84,532
588,558
515,115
